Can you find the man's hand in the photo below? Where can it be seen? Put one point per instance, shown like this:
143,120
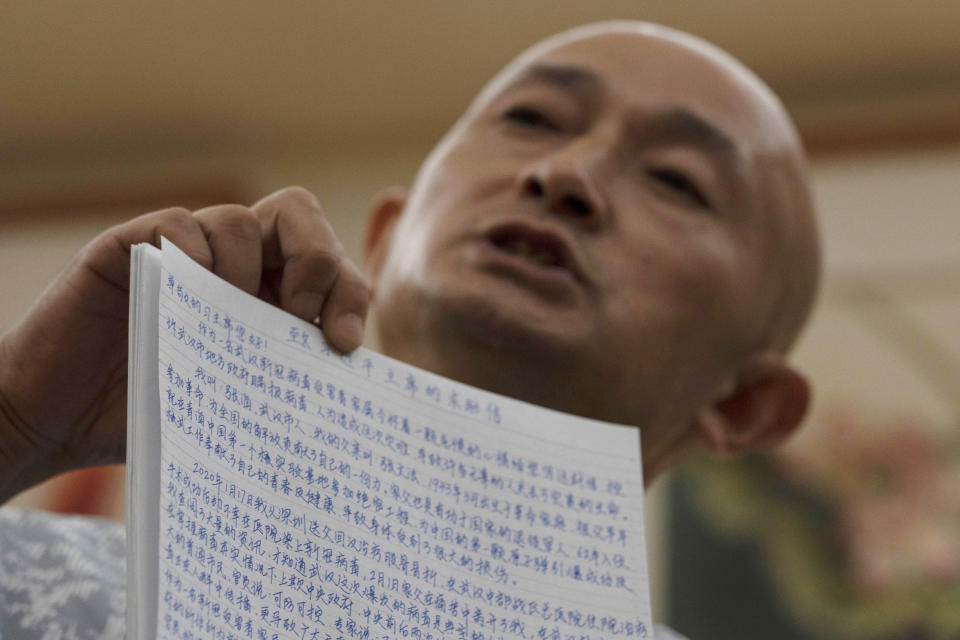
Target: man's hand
63,370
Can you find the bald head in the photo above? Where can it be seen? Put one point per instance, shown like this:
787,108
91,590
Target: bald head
619,226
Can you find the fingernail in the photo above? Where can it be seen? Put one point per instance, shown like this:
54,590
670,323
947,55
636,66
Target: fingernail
350,326
306,305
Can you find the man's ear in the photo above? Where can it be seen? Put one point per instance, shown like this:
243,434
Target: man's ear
766,404
381,223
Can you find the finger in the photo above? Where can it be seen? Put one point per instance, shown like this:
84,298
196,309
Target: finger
298,240
343,314
109,254
233,233
270,287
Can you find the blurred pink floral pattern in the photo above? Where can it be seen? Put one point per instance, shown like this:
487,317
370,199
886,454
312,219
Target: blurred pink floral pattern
896,492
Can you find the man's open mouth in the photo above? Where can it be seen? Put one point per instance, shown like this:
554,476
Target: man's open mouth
539,247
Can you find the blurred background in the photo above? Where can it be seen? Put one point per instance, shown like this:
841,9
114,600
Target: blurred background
112,109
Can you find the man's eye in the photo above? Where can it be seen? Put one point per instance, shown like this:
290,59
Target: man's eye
529,117
680,183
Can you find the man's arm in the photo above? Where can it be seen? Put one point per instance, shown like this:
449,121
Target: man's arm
63,370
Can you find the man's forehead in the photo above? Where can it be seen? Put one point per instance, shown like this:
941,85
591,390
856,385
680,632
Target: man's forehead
662,68
630,51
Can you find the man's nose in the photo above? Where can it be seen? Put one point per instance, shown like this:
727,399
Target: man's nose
566,185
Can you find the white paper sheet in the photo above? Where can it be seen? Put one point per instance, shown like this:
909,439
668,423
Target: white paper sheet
309,495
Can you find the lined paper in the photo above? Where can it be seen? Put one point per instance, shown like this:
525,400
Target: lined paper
306,494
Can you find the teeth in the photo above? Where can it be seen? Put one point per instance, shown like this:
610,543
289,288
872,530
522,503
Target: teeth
524,250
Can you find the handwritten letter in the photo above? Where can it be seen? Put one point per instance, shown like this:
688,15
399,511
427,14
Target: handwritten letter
309,495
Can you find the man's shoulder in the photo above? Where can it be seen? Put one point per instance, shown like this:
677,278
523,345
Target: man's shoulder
60,573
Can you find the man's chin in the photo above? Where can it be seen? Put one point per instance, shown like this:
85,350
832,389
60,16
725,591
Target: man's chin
506,316
495,336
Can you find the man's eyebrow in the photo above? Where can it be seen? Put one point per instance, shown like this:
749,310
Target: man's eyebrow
562,76
682,124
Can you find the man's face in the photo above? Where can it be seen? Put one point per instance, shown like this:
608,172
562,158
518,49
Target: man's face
591,224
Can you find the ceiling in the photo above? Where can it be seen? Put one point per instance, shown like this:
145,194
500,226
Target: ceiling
107,77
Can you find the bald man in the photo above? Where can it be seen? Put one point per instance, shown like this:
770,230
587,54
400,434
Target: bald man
618,227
